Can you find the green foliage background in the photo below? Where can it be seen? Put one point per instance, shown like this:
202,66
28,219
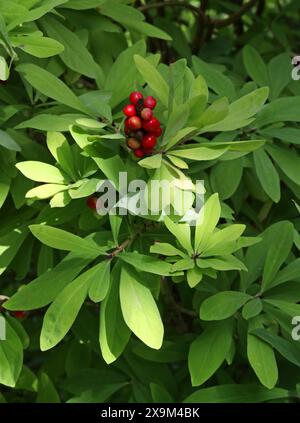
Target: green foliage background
134,309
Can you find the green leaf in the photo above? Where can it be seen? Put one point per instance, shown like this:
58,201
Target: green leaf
207,221
261,357
147,263
123,72
280,69
225,177
287,160
61,151
255,66
252,308
267,174
49,85
222,305
152,162
139,309
226,262
286,348
46,122
217,111
241,111
282,109
75,55
229,234
46,391
278,252
10,244
200,153
37,46
160,394
153,78
165,249
63,240
288,308
100,279
62,313
209,350
289,273
45,191
218,82
237,393
11,356
114,333
45,288
182,233
41,172
8,142
4,70
176,121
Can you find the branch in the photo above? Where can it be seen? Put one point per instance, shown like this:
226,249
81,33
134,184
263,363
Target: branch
159,5
120,248
220,23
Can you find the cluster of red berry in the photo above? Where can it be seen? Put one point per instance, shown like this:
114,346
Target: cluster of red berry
141,127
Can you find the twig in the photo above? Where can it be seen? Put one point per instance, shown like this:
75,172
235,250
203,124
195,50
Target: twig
220,23
120,248
162,4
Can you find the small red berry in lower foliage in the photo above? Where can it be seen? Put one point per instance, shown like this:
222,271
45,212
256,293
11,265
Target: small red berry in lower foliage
146,114
135,96
134,123
129,110
139,153
92,202
152,125
133,143
150,102
149,141
19,314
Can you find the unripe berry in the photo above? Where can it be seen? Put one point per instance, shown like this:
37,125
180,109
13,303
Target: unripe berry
150,102
19,314
134,123
138,135
139,153
146,114
92,202
129,110
149,141
135,96
152,125
133,143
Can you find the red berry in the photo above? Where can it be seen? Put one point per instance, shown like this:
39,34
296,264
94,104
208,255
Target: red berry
149,141
139,153
146,114
133,143
147,151
150,102
134,123
157,132
152,125
129,110
19,314
92,202
135,96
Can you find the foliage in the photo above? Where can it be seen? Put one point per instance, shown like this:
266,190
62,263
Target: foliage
143,309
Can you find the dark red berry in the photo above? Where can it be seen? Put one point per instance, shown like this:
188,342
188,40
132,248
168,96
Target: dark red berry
133,143
150,102
92,202
149,141
135,96
147,151
139,153
19,314
157,132
129,110
146,114
152,125
134,123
